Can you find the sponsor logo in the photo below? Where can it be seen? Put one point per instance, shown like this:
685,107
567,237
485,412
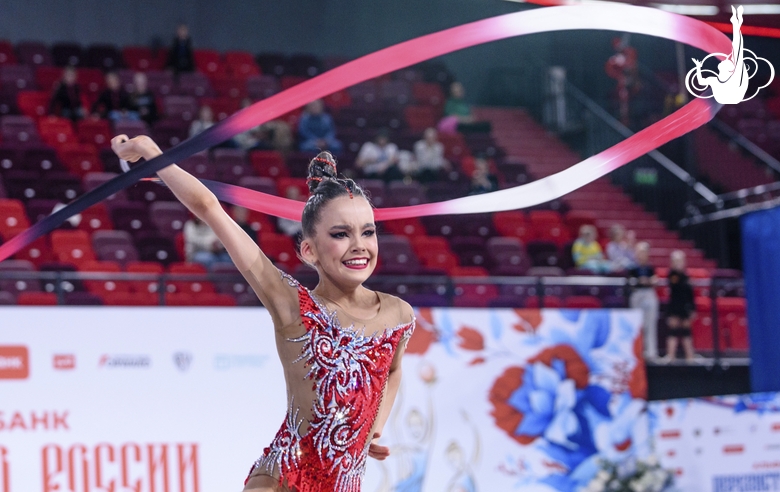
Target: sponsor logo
182,360
64,362
14,362
670,434
33,421
125,361
733,449
121,466
224,362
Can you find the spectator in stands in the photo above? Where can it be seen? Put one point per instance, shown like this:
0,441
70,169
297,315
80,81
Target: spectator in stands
482,180
643,279
240,216
201,244
460,110
273,135
680,309
66,100
143,100
114,102
620,249
379,159
587,252
205,121
317,130
180,57
287,226
429,158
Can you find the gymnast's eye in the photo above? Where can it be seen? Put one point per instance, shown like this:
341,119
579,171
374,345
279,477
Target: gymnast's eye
338,235
369,232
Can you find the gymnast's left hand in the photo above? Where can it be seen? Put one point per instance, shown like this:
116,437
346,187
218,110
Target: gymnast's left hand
376,451
132,149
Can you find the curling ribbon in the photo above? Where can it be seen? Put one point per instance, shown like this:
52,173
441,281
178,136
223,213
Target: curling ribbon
612,17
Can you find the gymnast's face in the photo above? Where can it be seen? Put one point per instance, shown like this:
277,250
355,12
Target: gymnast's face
344,247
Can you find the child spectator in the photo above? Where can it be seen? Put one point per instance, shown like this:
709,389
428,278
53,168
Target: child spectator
180,58
143,100
379,159
66,99
317,130
620,249
429,157
114,102
587,253
680,308
642,278
201,244
482,180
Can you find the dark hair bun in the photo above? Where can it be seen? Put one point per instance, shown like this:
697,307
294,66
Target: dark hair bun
321,167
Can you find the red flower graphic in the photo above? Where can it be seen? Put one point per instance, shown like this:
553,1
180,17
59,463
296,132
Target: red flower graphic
470,339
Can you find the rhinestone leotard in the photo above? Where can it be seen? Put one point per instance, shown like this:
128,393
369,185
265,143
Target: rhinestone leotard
349,371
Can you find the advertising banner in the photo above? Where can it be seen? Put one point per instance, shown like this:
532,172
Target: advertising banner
185,399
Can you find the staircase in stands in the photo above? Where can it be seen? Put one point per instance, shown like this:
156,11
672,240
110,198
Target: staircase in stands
544,154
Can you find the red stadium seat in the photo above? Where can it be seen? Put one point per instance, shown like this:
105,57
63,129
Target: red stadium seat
241,64
104,287
214,299
418,118
33,103
549,302
180,299
38,252
268,163
513,224
95,218
732,321
428,93
406,227
72,247
229,87
282,184
13,218
188,286
291,81
80,159
582,302
280,249
209,62
142,58
95,132
338,100
36,299
7,55
47,78
144,286
222,107
56,131
131,299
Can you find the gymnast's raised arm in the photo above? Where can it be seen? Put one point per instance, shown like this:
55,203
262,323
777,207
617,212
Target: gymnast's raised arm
262,275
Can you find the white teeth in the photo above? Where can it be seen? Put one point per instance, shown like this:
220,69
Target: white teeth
356,262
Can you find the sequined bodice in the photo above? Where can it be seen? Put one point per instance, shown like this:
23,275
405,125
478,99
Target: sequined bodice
324,448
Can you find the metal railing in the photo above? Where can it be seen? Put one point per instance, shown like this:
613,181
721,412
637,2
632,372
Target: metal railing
447,288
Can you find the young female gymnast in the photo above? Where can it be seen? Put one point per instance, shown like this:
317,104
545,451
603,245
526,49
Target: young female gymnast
340,344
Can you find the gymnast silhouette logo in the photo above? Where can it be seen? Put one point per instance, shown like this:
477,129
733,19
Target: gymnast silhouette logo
730,84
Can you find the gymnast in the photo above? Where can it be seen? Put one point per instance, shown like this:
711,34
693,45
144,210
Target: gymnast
340,344
731,84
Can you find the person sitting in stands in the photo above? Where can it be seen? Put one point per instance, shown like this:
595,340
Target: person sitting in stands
66,99
180,57
680,309
379,159
114,102
429,158
620,249
272,135
143,100
317,130
458,108
205,121
240,216
201,244
587,252
482,180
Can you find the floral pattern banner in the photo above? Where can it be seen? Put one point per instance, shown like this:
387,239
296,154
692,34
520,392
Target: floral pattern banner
501,399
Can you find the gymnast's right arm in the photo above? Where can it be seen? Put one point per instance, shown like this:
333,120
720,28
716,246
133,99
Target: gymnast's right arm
280,300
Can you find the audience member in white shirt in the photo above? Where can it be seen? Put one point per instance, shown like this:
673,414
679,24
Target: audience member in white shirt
429,157
379,159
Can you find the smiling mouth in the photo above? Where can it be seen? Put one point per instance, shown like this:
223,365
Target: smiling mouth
356,264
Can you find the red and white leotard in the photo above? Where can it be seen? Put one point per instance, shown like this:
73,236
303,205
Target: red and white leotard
348,371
